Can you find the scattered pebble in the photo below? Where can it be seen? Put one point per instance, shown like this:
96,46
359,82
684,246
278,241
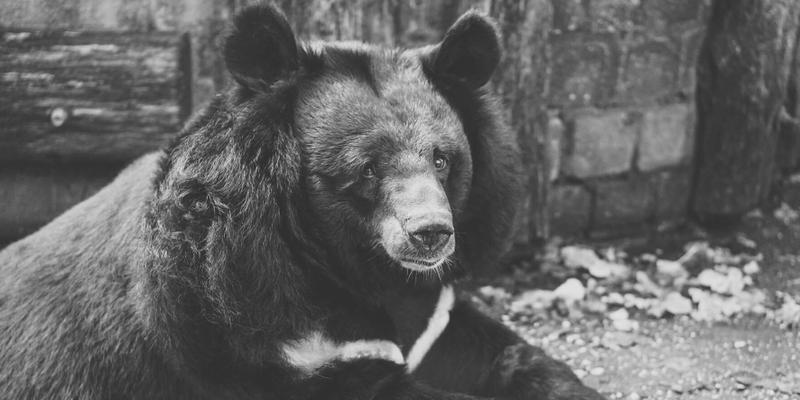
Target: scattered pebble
745,241
618,340
786,214
751,268
625,325
713,280
671,273
570,291
578,257
614,298
619,315
698,256
582,257
676,304
493,293
534,300
789,313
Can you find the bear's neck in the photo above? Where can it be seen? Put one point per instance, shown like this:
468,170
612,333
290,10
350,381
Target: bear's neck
398,313
420,316
412,322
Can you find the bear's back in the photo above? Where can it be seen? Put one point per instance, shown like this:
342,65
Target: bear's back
101,226
65,298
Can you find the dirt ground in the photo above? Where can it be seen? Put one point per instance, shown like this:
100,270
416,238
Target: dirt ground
678,357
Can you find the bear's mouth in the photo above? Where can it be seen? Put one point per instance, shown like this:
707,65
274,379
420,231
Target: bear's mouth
421,265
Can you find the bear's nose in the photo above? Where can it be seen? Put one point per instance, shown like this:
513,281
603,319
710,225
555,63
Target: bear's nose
431,237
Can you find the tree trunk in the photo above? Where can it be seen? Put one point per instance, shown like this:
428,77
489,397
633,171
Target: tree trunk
743,75
521,83
788,156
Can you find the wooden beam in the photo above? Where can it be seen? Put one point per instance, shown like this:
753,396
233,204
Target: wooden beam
101,96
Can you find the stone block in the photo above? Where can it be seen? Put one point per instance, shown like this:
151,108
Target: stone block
556,131
667,136
570,209
649,72
600,142
569,15
691,40
652,15
621,203
659,14
672,189
613,15
583,69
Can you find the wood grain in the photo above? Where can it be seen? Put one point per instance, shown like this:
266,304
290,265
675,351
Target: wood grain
104,96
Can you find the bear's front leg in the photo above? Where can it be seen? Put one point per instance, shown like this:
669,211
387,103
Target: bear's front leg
480,356
370,379
522,371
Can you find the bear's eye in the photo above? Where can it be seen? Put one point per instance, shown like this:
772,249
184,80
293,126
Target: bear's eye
439,161
368,171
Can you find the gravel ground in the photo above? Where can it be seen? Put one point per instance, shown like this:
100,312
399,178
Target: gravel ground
680,358
677,359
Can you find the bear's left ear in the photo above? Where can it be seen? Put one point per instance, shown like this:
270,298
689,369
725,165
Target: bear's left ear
469,52
261,49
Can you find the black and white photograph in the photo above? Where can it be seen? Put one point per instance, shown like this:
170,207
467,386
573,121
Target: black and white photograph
400,199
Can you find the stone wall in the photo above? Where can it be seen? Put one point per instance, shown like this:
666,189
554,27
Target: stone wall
621,101
619,88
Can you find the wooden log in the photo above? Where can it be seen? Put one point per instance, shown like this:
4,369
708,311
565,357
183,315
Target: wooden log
104,96
742,73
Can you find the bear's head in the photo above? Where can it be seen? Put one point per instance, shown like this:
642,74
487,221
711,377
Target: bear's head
361,164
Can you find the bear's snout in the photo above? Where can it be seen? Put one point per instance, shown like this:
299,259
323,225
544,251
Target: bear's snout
418,231
430,234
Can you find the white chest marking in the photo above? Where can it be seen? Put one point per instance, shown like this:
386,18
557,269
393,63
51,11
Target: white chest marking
436,325
316,351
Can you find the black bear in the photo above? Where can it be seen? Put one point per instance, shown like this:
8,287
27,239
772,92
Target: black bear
297,240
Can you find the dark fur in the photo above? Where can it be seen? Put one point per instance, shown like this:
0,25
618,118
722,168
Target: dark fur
183,277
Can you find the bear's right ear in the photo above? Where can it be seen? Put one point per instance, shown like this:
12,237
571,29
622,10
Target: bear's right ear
469,52
261,48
